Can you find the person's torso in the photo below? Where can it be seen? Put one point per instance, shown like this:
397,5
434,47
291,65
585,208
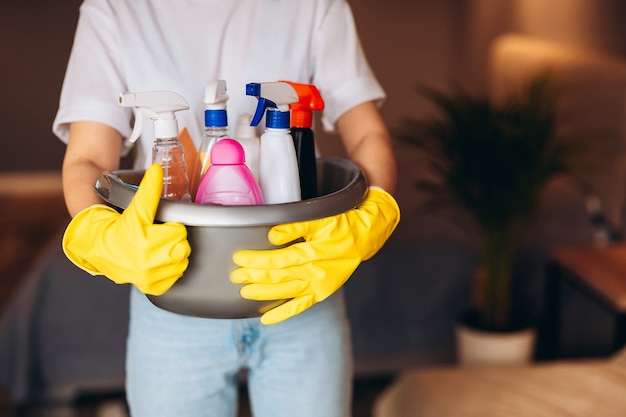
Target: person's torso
229,40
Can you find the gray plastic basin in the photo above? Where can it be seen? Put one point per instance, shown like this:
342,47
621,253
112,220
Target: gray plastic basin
216,232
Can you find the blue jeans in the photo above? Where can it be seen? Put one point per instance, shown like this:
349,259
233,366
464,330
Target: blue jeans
179,366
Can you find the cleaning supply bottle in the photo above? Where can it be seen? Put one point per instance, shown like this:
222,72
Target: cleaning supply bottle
228,181
161,107
302,133
278,166
246,135
215,121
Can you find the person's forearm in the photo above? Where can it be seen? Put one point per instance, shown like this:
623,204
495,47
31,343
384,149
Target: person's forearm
79,179
368,144
92,149
376,159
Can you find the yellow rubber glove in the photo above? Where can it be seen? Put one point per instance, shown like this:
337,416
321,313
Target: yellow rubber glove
129,247
309,271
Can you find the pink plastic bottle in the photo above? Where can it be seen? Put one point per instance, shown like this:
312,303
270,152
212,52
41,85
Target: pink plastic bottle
228,181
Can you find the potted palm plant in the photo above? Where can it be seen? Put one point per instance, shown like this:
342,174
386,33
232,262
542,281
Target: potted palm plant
494,159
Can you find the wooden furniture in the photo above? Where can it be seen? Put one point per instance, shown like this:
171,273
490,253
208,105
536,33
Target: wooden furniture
598,273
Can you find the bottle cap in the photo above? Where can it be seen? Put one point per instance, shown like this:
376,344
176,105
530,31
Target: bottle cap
165,129
276,119
227,152
301,118
215,118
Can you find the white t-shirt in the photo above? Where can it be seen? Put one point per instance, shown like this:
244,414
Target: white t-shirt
181,45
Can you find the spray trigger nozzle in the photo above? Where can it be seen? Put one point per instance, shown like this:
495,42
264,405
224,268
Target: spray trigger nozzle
215,96
156,105
271,95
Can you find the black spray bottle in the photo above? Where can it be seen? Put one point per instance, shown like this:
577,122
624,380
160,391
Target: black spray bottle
309,99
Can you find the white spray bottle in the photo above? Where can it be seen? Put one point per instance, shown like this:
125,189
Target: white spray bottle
215,120
278,165
161,107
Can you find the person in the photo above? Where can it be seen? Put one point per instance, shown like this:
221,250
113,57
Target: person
297,356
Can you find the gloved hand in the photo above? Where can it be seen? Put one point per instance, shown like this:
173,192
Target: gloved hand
129,247
308,272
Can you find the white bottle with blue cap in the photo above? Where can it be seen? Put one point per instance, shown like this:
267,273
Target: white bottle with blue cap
278,165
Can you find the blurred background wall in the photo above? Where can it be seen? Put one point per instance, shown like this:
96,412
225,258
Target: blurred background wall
409,42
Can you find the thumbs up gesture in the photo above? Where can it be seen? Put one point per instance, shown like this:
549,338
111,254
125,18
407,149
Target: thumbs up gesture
129,247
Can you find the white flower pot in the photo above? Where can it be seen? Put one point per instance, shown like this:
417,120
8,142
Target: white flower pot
479,347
